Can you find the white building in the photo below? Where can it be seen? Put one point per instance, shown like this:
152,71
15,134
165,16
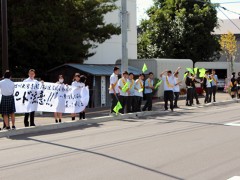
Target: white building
110,50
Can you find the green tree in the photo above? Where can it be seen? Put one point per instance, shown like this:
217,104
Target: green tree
47,33
179,29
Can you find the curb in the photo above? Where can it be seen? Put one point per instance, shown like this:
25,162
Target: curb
95,120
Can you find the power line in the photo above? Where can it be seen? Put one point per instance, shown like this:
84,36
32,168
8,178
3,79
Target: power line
229,19
229,10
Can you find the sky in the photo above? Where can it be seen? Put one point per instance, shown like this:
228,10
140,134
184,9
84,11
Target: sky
231,5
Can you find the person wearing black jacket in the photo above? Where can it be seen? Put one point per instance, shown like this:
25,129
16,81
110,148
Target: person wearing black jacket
238,85
189,85
233,85
195,95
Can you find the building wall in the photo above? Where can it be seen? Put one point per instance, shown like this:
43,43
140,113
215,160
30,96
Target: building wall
110,50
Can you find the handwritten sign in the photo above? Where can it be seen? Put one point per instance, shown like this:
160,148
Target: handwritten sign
49,97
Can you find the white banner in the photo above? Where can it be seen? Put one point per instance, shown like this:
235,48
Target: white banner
49,97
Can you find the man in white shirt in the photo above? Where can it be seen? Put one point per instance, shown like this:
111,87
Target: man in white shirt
123,95
31,74
131,96
113,89
139,92
176,89
208,87
148,91
214,78
168,82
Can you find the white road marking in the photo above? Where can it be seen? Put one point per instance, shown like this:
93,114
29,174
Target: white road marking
234,123
234,178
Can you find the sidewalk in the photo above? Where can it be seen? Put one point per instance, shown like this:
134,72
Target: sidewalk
96,115
48,118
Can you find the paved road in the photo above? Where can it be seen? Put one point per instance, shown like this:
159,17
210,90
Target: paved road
189,144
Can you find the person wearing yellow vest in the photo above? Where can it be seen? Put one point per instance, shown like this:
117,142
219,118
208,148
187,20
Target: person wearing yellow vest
138,92
148,92
131,97
207,82
123,96
214,84
168,83
113,89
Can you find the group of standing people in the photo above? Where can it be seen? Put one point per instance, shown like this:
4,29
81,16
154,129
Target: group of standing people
7,105
132,98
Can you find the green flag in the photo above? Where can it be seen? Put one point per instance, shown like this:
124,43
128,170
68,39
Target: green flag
125,87
117,107
158,84
140,90
144,68
202,72
185,75
195,70
190,70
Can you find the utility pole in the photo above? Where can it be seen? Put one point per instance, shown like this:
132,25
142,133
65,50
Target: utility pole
4,36
124,32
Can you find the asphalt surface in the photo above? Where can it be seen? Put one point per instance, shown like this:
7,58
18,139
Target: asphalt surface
192,143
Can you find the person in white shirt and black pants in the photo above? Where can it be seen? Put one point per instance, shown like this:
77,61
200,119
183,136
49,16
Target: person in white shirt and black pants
168,81
113,89
176,89
139,92
123,96
7,106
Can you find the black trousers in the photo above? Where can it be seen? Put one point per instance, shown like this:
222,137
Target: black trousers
195,95
113,102
123,100
189,96
131,103
214,91
26,123
138,103
176,97
148,104
208,96
168,96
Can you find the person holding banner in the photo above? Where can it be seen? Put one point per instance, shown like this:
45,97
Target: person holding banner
76,83
58,115
168,81
176,89
82,82
113,89
31,74
189,86
123,86
7,106
214,84
148,91
131,97
139,92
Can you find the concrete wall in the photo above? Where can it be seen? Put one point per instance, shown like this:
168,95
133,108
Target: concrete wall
159,65
110,50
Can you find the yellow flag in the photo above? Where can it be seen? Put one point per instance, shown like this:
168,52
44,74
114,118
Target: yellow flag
117,107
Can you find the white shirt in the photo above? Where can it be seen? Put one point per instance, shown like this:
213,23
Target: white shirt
7,87
208,83
176,87
138,85
30,80
78,84
121,84
168,86
114,80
